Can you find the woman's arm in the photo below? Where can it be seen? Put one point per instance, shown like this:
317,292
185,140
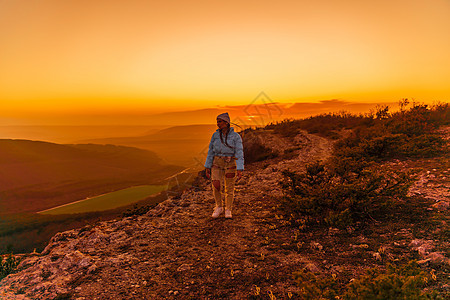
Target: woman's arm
239,153
210,156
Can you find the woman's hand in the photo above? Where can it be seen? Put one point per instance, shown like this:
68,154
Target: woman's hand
239,174
208,173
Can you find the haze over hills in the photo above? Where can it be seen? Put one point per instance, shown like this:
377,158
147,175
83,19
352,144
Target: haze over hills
170,135
37,175
187,144
262,110
255,112
73,133
182,145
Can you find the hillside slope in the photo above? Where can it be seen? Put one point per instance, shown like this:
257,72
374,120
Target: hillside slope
37,175
180,145
177,251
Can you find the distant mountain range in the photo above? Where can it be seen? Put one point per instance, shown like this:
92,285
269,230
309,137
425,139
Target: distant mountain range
186,132
256,112
69,134
181,145
36,175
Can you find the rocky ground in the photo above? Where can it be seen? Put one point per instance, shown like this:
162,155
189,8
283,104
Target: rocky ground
177,251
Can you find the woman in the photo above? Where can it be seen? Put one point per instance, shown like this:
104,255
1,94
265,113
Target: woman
225,160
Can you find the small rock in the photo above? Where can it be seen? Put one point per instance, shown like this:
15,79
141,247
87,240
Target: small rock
312,267
422,250
361,246
184,267
317,246
441,205
423,261
333,231
437,258
92,269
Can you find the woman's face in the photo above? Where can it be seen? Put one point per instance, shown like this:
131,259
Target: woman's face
221,124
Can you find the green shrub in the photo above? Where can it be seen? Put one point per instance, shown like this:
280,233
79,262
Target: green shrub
379,134
440,114
8,265
326,125
63,296
254,148
403,282
322,196
385,145
316,287
414,122
397,282
351,186
286,128
407,133
136,210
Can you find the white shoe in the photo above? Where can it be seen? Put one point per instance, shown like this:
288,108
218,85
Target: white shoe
228,214
217,212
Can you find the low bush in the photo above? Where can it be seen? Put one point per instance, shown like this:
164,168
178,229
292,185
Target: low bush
402,282
368,146
379,134
407,133
63,296
396,282
8,265
326,125
254,148
136,210
316,287
351,187
322,196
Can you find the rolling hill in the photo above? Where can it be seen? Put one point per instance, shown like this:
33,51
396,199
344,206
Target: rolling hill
36,175
181,145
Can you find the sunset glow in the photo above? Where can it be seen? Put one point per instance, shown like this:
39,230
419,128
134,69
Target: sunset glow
77,56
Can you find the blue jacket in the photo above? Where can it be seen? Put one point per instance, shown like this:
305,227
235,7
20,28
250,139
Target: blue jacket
217,148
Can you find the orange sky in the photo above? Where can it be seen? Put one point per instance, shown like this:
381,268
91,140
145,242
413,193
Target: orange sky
84,55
